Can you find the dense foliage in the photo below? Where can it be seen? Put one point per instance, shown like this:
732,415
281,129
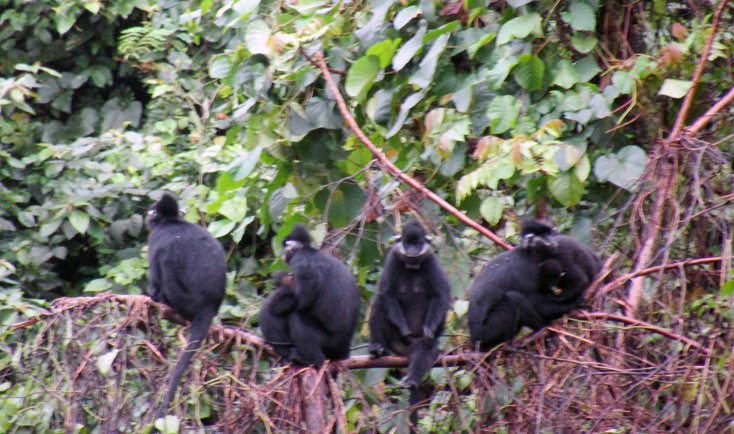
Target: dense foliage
503,108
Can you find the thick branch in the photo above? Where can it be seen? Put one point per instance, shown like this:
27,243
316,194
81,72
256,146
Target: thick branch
394,169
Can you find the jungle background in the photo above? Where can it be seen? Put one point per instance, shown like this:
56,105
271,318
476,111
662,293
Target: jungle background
611,117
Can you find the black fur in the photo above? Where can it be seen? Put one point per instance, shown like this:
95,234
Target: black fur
275,311
408,314
326,309
188,273
516,288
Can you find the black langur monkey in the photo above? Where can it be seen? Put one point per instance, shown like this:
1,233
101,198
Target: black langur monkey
327,302
516,288
275,311
188,273
408,314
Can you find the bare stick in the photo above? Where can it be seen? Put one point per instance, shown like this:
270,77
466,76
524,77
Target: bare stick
319,58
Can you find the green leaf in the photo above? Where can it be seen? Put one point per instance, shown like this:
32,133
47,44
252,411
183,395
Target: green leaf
221,228
587,68
443,30
503,112
93,7
104,363
520,27
584,43
496,76
405,15
492,209
64,21
566,189
243,165
235,208
385,50
565,74
221,67
50,227
423,76
361,75
79,220
257,36
582,168
476,45
580,16
529,72
461,307
622,169
623,82
675,88
405,107
98,285
410,48
168,425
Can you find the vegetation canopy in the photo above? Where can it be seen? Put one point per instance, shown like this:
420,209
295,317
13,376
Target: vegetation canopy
610,117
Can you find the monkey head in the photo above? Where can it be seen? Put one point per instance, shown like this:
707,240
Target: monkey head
414,245
164,211
297,240
283,279
538,234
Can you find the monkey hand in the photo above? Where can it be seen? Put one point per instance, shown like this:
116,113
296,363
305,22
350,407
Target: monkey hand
427,334
377,350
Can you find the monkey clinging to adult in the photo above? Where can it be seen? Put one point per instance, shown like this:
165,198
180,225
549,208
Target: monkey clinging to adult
327,303
408,314
516,288
188,273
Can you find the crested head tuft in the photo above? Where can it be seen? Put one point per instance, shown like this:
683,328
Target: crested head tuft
300,234
167,207
537,227
413,233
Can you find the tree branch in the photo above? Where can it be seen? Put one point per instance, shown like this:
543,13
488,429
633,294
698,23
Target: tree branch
688,100
319,58
621,279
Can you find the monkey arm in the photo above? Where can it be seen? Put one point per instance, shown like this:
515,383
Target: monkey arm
308,284
396,315
439,291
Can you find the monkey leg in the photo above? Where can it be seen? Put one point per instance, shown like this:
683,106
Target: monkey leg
308,340
500,325
527,314
384,335
421,359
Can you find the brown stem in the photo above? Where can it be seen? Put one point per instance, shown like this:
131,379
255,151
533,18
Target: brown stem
392,168
621,279
688,100
706,117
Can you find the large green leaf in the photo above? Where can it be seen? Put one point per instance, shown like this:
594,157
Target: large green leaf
243,165
566,189
410,48
385,50
405,107
675,88
503,112
492,209
423,76
405,15
257,36
580,16
520,27
361,75
528,72
622,169
79,220
565,74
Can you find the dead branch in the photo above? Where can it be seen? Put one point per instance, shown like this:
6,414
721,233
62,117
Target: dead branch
384,161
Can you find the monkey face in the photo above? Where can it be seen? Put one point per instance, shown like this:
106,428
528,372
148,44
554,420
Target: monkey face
289,248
